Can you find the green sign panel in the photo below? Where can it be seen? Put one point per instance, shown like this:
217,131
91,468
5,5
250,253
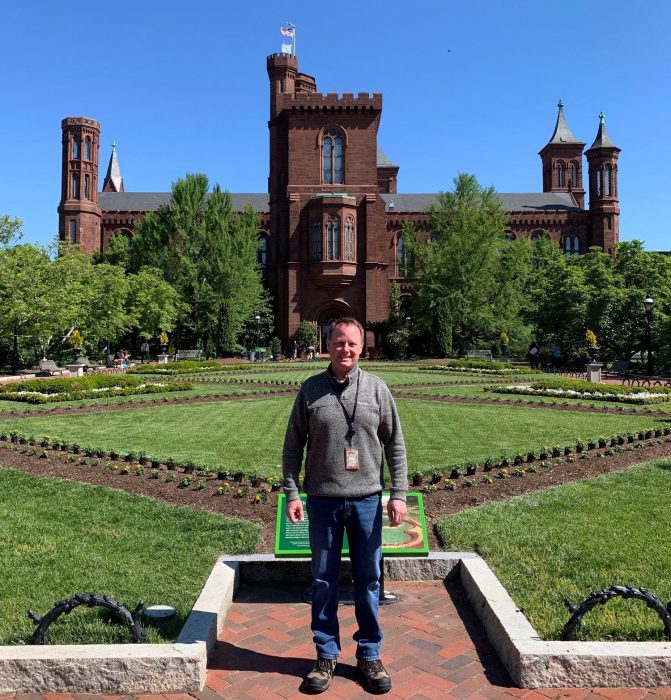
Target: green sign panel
407,539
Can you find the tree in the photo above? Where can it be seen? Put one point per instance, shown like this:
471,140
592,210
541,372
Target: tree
10,230
306,334
469,278
208,253
153,304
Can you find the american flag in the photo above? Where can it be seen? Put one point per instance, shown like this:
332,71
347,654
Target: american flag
287,31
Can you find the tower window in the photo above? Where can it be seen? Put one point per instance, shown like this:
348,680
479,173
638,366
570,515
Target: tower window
75,186
560,175
87,148
333,238
349,238
572,245
73,231
332,158
317,248
598,183
403,258
574,175
262,253
75,148
607,180
87,187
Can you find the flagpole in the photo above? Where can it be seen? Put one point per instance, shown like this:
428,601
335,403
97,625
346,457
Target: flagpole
293,26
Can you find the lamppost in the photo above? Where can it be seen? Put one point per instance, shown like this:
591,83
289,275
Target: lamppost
647,303
258,331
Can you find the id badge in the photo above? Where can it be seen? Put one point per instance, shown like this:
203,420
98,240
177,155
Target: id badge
351,458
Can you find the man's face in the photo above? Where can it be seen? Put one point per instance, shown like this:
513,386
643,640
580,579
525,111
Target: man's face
344,348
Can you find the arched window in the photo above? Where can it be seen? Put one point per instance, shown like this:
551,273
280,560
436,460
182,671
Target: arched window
576,245
333,170
510,236
433,239
262,252
598,183
349,238
403,258
568,245
607,180
537,236
560,174
572,245
73,231
317,248
75,148
333,238
75,186
574,175
87,184
87,148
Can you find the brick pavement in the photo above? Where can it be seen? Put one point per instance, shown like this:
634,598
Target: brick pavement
435,649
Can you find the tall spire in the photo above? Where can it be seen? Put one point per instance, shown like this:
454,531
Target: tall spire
113,180
602,140
562,134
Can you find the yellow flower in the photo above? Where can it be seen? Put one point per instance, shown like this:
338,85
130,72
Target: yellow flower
590,337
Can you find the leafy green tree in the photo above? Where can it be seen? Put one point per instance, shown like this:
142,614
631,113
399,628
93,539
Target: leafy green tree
153,304
469,278
208,253
306,334
10,230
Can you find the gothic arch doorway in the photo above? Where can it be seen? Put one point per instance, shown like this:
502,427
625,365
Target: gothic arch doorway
325,318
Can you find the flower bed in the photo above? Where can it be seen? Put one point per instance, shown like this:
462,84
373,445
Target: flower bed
185,367
479,367
581,389
95,386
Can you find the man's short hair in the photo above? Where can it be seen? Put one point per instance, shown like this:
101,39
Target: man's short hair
346,321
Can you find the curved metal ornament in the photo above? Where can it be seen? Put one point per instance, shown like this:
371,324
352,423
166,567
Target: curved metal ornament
602,597
91,600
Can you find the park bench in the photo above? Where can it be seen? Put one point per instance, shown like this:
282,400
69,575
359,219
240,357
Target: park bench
187,355
618,369
479,355
49,368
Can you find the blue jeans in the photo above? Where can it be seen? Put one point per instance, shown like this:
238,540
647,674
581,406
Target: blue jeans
328,520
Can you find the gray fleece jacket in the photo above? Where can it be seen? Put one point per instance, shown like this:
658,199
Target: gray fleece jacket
318,421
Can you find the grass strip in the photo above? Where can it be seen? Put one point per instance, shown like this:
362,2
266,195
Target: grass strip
60,538
244,435
570,540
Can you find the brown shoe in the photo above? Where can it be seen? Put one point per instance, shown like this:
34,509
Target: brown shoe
373,676
319,679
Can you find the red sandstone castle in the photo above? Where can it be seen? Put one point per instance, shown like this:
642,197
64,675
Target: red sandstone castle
331,220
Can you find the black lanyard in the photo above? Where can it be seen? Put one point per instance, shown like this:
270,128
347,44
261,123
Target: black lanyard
348,418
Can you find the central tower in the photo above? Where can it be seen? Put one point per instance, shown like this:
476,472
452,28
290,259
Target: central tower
326,217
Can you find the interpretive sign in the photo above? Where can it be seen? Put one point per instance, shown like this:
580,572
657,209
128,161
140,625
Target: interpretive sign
407,539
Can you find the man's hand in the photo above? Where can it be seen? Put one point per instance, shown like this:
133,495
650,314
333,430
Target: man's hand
294,510
396,511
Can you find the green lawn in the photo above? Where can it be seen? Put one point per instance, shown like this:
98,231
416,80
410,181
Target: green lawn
248,435
571,540
59,538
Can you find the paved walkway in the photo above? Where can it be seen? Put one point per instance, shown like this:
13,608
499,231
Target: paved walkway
435,649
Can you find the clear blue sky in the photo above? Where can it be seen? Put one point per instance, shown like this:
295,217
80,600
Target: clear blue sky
469,86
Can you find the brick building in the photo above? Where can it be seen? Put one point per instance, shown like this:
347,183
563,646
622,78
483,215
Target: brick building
331,220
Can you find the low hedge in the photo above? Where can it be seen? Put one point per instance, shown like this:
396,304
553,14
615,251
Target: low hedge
581,389
480,367
40,391
185,367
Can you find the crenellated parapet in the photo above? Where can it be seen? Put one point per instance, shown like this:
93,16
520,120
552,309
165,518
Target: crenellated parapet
330,102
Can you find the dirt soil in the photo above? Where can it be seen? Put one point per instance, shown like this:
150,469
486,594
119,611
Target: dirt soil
31,459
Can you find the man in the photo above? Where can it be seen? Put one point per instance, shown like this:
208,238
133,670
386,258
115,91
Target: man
345,415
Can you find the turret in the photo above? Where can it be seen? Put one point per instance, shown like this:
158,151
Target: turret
604,207
78,212
562,161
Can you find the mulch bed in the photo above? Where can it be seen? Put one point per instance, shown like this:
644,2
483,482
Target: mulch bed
27,458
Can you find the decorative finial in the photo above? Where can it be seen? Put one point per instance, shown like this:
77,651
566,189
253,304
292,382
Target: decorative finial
113,146
560,104
602,118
